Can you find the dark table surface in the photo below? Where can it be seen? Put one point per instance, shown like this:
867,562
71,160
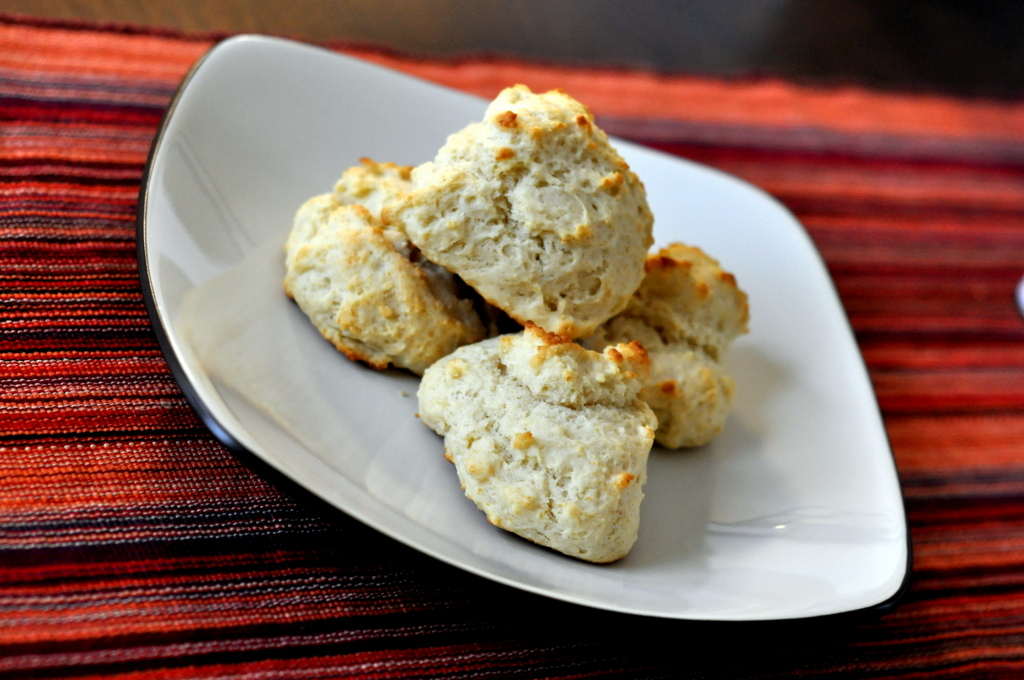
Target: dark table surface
955,46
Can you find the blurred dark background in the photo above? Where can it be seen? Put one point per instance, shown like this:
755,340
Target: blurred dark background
973,48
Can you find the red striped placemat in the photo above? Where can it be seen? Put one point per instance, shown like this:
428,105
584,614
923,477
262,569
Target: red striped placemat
133,544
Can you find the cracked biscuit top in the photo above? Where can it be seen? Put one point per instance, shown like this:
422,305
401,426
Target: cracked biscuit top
549,439
534,209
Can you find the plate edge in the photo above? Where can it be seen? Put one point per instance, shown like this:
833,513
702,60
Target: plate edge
308,498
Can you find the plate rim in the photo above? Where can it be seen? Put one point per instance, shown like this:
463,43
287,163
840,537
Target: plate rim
297,491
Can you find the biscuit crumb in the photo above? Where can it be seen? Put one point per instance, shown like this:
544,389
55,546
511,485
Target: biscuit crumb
580,233
623,480
506,119
549,339
661,262
668,388
455,368
523,440
613,182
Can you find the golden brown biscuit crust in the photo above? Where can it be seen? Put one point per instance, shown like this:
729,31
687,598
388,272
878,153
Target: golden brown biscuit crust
534,209
686,313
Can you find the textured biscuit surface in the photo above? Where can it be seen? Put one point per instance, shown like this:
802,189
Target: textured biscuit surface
686,313
534,209
357,284
371,184
549,439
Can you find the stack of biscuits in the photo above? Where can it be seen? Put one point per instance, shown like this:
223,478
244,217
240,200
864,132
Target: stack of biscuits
529,215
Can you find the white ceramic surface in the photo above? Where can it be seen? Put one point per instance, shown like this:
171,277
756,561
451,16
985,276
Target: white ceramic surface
794,511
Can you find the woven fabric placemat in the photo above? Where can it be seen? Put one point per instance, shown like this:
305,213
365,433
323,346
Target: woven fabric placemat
132,544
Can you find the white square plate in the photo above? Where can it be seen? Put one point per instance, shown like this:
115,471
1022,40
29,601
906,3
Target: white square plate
794,511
